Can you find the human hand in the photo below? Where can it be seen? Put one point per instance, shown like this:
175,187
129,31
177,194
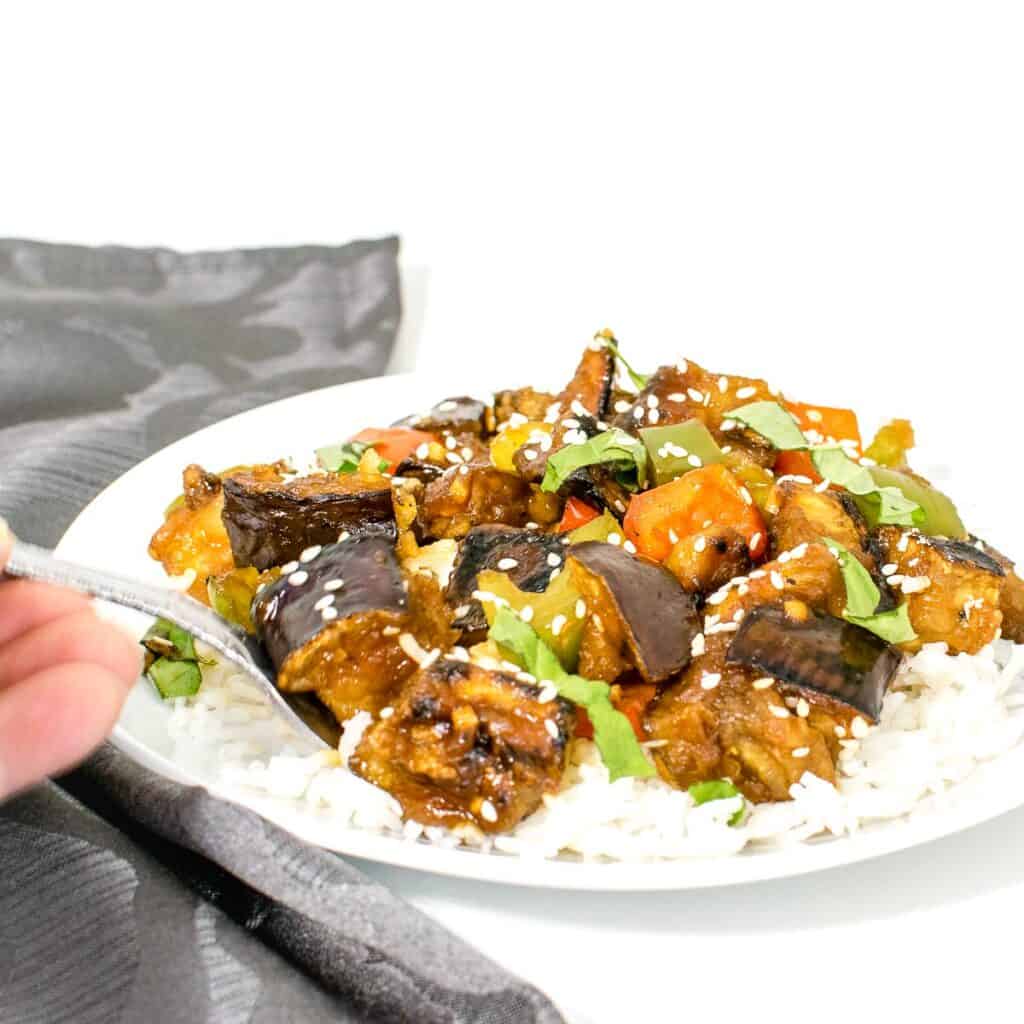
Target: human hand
64,674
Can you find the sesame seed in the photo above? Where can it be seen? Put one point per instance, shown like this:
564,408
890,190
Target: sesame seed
554,574
423,451
487,812
547,694
695,395
652,401
343,536
467,453
329,613
745,495
859,728
718,597
697,646
778,712
738,615
755,541
653,416
288,568
526,612
803,709
700,544
709,680
324,602
571,424
695,461
558,624
448,405
676,396
896,579
915,584
682,366
577,407
763,683
507,563
580,609
463,470
723,384
622,405
554,559
619,506
450,443
839,731
801,751
529,454
901,544
777,581
332,585
728,424
814,416
638,413
823,486
459,654
532,525
296,579
551,728
758,574
889,568
454,458
673,536
614,538
386,712
746,392
310,553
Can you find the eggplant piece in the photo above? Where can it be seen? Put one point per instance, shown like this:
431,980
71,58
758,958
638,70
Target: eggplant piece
964,553
640,604
822,655
467,745
597,486
334,625
470,495
525,401
591,384
461,415
273,523
486,547
414,469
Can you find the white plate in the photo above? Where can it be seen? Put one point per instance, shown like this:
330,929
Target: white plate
114,531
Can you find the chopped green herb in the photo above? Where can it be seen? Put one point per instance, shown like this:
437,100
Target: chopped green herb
717,789
613,734
862,599
614,447
344,458
772,422
677,448
172,663
639,379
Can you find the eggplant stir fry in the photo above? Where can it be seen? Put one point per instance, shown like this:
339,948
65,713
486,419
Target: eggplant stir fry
711,582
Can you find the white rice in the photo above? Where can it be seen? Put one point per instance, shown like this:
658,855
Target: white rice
942,719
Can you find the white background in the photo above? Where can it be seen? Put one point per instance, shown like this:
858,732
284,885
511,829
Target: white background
829,194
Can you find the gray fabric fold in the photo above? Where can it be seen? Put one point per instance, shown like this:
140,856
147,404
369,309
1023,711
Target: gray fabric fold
123,896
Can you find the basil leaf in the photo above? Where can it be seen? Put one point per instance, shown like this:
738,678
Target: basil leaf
613,734
716,789
344,458
879,504
772,422
639,379
167,640
862,598
612,446
175,678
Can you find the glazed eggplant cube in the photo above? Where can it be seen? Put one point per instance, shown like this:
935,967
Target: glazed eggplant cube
335,625
522,554
272,523
460,415
467,745
640,607
826,656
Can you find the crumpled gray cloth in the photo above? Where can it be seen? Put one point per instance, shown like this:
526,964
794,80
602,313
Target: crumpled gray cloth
125,897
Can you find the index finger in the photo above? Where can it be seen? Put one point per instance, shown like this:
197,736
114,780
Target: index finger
5,542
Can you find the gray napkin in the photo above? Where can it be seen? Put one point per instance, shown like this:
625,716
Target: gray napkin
125,897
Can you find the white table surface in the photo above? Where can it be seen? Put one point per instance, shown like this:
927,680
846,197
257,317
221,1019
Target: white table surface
829,194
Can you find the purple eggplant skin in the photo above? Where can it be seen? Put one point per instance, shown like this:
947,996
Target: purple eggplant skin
460,415
821,655
483,548
271,525
414,469
285,612
660,618
966,553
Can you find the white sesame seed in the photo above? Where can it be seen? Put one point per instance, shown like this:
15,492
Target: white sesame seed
450,443
458,653
697,646
700,544
803,709
695,395
462,610
709,680
558,624
310,553
463,470
331,585
571,424
676,396
343,536
683,366
551,728
673,536
723,384
746,392
386,712
777,581
454,458
554,574
296,579
889,568
695,461
329,613
718,597
652,401
448,406
814,416
614,538
859,728
638,413
619,506
763,683
423,451
580,609
467,453
622,405
289,567
839,731
577,407
915,584
901,544
758,574
529,454
547,694
896,579
554,559
738,615
324,602
801,751
745,495
728,424
777,711
755,541
507,563
653,416
487,812
411,646
526,612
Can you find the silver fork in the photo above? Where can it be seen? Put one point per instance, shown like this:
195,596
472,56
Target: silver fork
246,653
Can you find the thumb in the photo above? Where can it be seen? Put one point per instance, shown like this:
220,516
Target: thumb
5,542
